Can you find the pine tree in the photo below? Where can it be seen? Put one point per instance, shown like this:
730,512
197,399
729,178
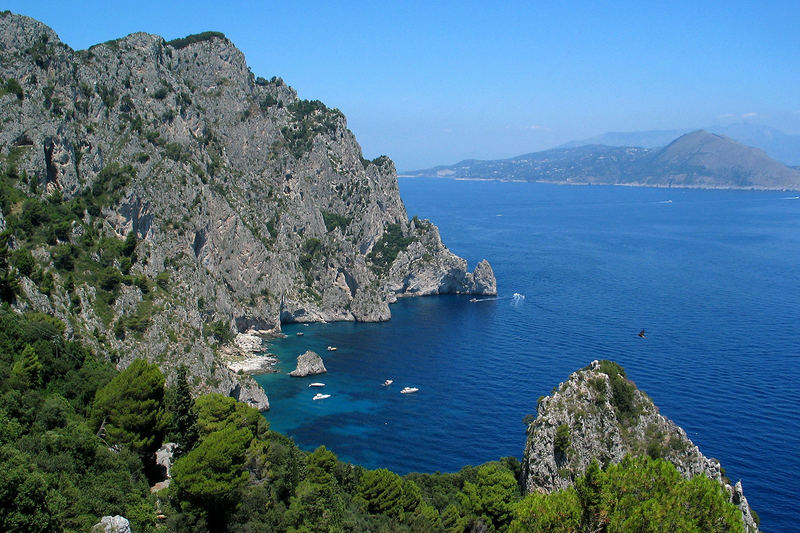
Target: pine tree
129,410
184,418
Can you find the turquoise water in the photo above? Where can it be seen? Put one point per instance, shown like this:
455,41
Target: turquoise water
713,276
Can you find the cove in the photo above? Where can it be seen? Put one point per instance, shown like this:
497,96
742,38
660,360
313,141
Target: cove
713,277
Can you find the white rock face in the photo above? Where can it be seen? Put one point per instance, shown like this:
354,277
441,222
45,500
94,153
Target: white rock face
164,456
248,342
112,524
308,364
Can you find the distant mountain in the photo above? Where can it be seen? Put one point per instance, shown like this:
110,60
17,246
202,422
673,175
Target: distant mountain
702,159
698,159
644,139
778,145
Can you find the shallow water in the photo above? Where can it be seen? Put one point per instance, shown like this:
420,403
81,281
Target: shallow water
713,277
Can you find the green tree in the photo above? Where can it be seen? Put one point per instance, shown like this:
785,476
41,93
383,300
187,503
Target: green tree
492,495
27,371
650,495
594,495
129,246
184,418
317,502
383,492
562,440
23,494
548,513
215,412
23,260
452,522
210,475
129,410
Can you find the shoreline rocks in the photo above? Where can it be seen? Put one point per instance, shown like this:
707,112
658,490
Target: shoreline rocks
308,364
245,355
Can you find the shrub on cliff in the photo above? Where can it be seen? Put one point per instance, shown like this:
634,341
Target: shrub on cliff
638,494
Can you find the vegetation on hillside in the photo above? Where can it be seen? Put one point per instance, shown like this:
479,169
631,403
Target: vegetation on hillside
385,251
183,42
76,442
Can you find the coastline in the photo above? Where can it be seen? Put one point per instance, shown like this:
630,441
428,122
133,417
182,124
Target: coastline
589,184
247,354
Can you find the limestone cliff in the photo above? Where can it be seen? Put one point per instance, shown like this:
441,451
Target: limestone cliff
250,206
599,414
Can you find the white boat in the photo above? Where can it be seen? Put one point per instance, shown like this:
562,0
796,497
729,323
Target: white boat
316,384
387,382
320,396
408,390
300,333
331,348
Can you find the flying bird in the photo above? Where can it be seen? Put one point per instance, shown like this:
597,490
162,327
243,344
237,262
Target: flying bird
642,335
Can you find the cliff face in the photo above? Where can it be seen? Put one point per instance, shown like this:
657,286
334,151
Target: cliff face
257,207
599,414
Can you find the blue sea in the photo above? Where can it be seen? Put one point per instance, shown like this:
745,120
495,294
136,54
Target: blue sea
712,276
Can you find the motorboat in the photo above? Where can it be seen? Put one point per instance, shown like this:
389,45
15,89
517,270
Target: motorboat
409,390
320,396
300,333
388,382
331,348
316,384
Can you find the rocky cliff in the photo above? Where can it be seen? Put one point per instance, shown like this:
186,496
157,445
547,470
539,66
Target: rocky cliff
598,414
249,206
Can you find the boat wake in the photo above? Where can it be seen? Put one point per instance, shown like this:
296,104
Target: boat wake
517,297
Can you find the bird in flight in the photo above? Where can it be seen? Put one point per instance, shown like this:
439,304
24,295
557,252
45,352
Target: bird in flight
642,335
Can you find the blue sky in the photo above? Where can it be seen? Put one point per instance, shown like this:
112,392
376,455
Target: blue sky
436,82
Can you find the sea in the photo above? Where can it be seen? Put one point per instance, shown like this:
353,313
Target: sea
712,276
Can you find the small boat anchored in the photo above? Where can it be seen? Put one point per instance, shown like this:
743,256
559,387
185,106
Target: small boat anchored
320,396
388,382
331,348
409,390
316,384
300,333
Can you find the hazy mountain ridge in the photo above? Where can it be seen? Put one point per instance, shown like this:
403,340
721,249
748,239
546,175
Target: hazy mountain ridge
249,206
698,159
777,144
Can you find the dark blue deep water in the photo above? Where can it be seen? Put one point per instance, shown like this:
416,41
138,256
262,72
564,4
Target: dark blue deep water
713,276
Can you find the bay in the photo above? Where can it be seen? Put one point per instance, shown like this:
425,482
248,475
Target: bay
713,276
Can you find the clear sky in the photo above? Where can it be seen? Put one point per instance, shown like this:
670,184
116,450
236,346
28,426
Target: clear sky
435,82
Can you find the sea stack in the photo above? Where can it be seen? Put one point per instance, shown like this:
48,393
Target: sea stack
308,364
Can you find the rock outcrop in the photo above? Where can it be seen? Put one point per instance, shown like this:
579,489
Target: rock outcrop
112,524
308,364
250,207
601,415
